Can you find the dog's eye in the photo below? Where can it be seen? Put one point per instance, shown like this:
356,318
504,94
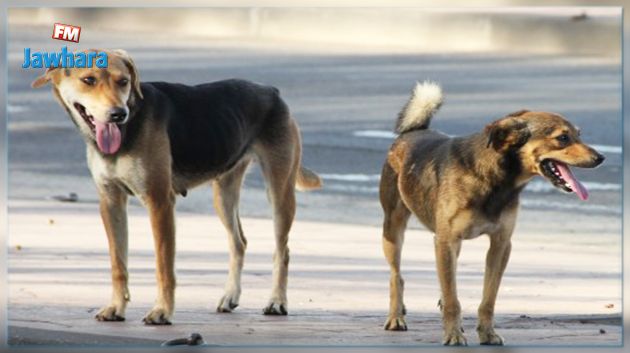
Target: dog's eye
123,82
89,80
563,139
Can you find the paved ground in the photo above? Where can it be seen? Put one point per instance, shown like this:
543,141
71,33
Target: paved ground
345,102
338,285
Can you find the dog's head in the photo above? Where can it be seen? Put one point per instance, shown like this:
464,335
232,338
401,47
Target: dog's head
547,145
97,99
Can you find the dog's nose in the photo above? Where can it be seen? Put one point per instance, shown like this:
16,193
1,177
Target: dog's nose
599,158
117,114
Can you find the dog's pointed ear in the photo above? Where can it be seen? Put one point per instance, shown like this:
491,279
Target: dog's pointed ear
135,77
45,78
508,132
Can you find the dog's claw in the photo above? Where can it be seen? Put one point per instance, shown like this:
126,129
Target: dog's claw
275,309
109,314
395,324
487,337
157,322
221,309
156,316
116,318
227,304
455,338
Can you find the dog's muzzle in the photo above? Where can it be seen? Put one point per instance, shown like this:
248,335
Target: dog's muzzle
560,175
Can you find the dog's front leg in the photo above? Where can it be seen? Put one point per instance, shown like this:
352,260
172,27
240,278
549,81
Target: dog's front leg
496,261
446,252
161,204
113,205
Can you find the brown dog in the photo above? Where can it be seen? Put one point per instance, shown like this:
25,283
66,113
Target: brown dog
463,187
154,140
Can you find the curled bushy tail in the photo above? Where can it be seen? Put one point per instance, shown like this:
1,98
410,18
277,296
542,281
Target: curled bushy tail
425,100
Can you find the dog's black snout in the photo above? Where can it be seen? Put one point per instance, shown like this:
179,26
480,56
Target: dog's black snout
599,159
117,114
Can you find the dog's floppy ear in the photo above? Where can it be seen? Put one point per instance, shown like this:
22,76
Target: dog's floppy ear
44,79
135,78
508,132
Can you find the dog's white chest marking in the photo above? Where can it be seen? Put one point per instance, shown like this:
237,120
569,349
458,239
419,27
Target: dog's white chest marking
126,171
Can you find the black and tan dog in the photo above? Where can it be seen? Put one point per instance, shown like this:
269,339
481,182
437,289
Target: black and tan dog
463,187
155,140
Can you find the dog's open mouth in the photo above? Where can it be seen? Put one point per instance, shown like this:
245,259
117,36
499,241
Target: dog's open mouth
108,135
560,175
89,120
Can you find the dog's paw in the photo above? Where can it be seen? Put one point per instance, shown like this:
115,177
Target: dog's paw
157,316
395,323
228,303
275,308
110,313
454,337
488,337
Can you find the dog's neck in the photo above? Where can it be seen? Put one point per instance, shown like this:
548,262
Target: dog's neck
499,171
488,158
135,103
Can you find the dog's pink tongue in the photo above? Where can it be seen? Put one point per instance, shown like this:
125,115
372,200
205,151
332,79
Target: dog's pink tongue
567,175
108,137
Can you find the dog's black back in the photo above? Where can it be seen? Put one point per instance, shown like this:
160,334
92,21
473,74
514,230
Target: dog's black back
210,126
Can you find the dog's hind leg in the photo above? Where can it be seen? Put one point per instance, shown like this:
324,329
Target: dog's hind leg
496,262
226,199
394,225
113,205
280,161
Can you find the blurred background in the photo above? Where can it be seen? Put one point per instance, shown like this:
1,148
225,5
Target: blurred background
586,30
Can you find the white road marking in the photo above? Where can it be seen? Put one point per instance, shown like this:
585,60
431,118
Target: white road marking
16,108
607,149
375,134
351,177
536,186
